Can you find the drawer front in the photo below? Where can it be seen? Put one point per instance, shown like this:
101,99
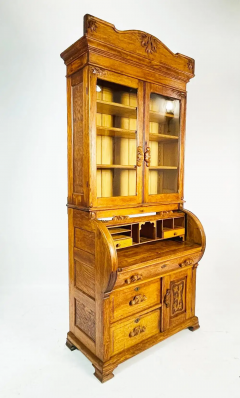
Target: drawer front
132,332
173,232
134,299
122,242
140,275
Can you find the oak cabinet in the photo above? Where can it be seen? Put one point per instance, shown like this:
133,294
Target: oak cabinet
133,247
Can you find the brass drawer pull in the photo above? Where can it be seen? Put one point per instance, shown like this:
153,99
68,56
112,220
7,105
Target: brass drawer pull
133,279
187,262
136,331
147,156
138,299
167,298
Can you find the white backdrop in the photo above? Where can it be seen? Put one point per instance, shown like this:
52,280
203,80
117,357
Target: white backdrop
33,234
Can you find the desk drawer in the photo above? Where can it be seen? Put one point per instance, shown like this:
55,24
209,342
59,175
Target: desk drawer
140,275
122,241
129,333
134,299
171,233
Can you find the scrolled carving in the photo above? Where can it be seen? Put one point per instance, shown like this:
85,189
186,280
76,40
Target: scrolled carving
149,42
133,278
118,218
190,65
167,298
178,290
97,71
165,213
93,215
136,331
188,261
140,156
147,156
138,299
92,25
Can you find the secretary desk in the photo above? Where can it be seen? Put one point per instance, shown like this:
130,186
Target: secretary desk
133,247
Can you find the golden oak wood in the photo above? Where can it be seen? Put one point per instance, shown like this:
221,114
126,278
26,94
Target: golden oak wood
132,276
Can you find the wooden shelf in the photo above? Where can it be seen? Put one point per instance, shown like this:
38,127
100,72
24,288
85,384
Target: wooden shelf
163,167
115,166
114,231
113,108
115,132
159,117
162,137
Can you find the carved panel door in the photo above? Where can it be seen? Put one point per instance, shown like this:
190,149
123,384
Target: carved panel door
177,298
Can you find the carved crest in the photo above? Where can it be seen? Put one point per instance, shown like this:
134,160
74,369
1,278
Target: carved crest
149,42
92,25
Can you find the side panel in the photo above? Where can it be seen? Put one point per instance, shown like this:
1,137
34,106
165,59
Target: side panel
78,140
82,280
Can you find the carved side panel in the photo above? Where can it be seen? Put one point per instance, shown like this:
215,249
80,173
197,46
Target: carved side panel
85,319
77,120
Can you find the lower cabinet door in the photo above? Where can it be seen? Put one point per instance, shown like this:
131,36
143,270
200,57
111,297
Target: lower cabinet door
177,296
129,333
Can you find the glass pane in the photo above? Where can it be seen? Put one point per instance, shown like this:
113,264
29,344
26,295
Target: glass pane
164,131
116,139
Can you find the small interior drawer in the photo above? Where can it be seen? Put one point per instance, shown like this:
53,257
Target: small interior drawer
134,299
129,333
171,233
122,241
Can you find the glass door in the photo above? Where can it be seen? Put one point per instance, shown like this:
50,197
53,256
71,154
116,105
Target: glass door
118,139
163,134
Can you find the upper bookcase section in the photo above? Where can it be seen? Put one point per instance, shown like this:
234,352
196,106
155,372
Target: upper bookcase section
131,52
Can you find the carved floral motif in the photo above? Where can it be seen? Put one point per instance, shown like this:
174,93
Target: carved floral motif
133,279
149,42
97,71
139,156
116,218
92,25
190,65
177,292
136,331
147,156
188,261
138,299
165,213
